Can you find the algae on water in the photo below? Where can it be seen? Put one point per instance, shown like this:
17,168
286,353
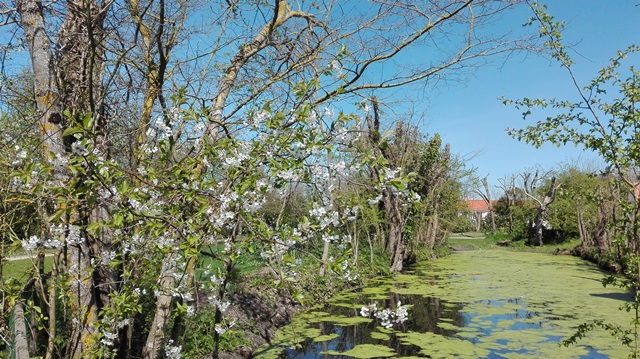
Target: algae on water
472,304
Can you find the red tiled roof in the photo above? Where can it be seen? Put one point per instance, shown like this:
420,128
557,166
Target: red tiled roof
477,205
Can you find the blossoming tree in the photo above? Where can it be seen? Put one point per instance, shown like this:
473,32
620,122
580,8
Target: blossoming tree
163,128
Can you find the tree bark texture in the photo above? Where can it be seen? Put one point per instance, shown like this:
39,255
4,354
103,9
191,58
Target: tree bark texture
585,240
32,21
20,347
439,180
74,85
543,204
391,204
154,347
487,198
395,216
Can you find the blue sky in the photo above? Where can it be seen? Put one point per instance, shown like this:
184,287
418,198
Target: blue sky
470,117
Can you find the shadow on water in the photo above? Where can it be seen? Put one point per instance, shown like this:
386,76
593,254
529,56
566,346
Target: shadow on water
625,297
451,325
430,315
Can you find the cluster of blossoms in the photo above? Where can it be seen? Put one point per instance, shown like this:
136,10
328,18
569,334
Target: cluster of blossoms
223,326
336,68
172,351
256,119
19,183
386,316
347,275
325,215
20,156
160,129
224,213
390,174
236,156
70,233
30,243
79,149
110,336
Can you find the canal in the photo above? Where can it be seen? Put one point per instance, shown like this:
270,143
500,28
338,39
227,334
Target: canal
471,304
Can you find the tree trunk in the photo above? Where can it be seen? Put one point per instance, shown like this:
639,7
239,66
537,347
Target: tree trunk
487,199
538,224
52,306
440,173
585,241
20,347
79,68
479,220
601,233
82,302
396,245
432,230
32,21
154,346
326,246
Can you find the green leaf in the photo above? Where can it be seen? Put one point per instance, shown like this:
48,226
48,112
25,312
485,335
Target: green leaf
72,131
87,121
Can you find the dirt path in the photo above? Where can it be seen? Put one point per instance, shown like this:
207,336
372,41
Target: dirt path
24,256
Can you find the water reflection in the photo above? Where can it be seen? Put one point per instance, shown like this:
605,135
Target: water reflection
470,318
429,314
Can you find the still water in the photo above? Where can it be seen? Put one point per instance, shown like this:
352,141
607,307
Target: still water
475,304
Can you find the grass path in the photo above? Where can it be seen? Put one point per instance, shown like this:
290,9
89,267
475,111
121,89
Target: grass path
478,240
24,257
18,267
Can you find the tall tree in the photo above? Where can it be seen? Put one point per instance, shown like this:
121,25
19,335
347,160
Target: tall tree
530,184
149,138
508,186
486,197
602,119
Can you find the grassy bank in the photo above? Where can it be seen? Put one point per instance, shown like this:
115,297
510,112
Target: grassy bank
478,241
20,269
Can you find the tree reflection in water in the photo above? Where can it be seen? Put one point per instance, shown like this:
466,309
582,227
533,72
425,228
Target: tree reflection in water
469,305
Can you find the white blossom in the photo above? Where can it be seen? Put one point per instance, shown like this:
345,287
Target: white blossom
191,311
386,316
220,329
20,154
288,175
52,243
365,311
317,211
258,118
367,108
108,338
335,67
31,243
332,218
175,115
375,200
199,127
164,130
123,323
328,112
390,174
79,149
74,235
172,351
